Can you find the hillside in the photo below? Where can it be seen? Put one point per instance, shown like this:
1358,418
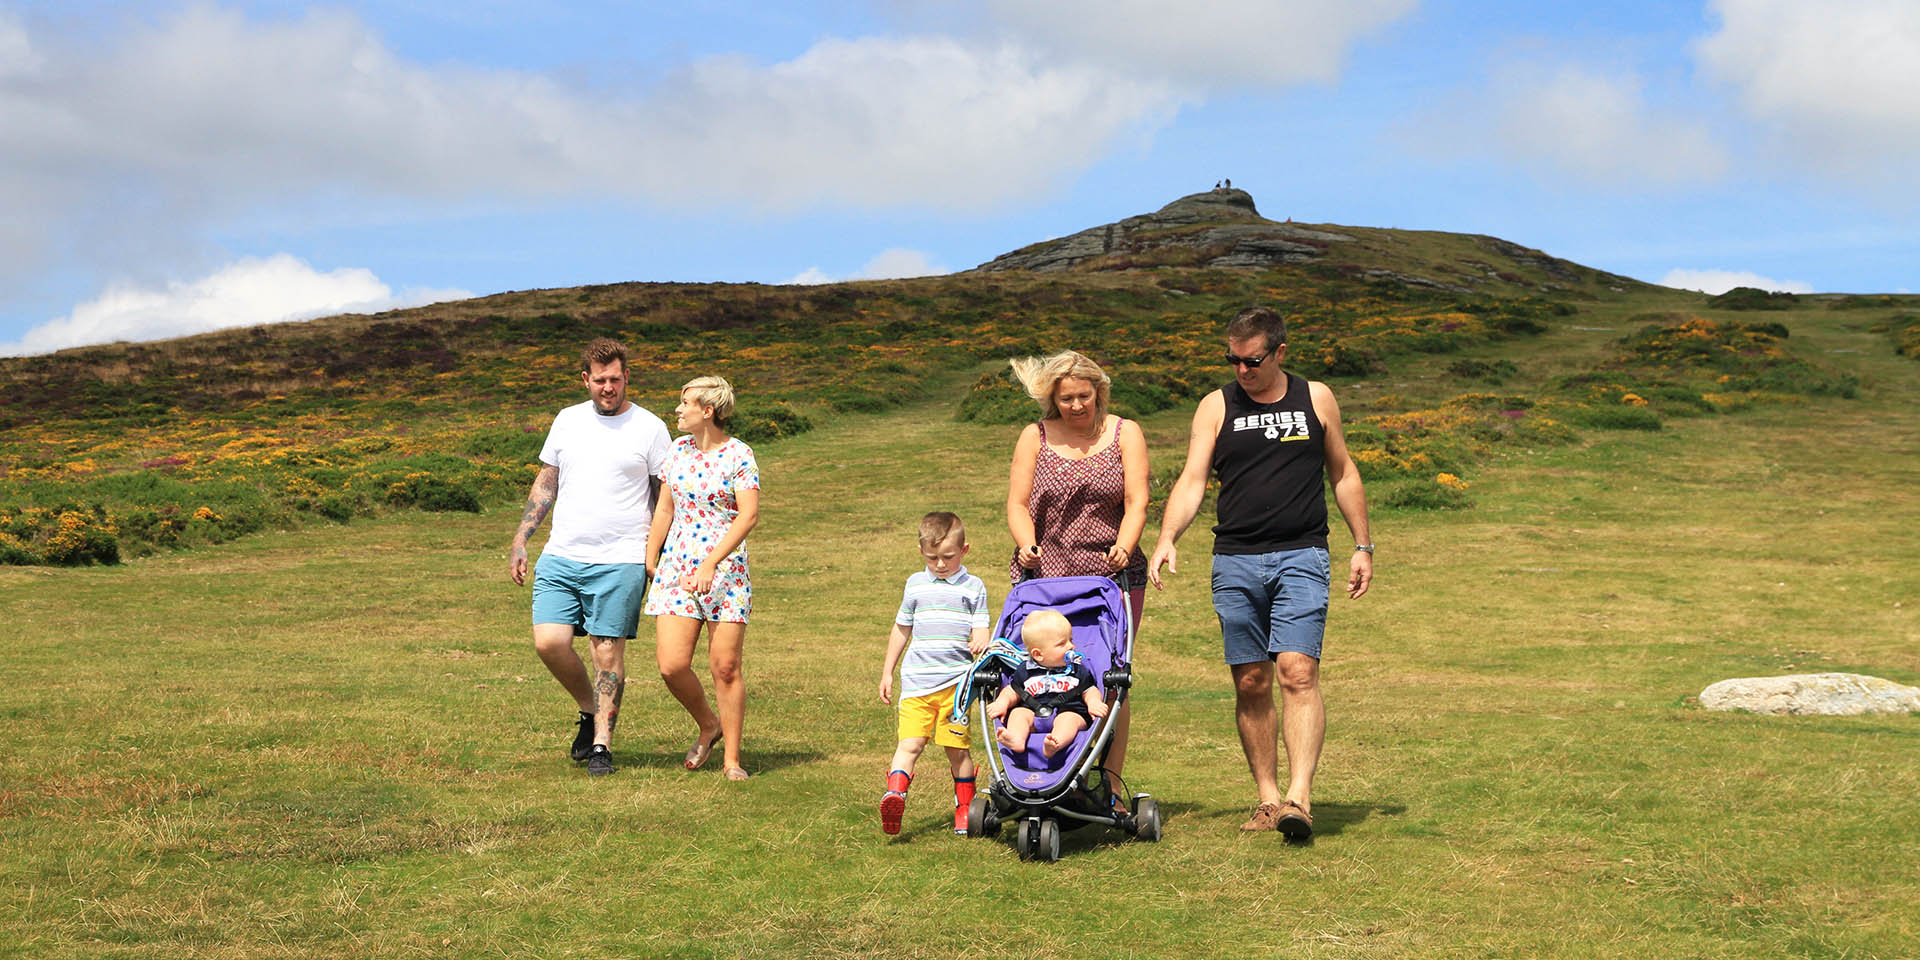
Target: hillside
337,741
117,451
1222,228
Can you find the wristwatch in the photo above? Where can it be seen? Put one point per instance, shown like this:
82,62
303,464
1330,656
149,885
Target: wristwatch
1363,548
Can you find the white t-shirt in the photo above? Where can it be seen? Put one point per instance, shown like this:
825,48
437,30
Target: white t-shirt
604,506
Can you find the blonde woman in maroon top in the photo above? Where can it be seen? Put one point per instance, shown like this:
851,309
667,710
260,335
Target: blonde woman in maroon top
1077,492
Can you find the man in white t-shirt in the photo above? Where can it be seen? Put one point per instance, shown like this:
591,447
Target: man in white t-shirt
600,472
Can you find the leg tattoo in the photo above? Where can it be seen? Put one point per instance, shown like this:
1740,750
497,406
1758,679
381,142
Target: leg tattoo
608,687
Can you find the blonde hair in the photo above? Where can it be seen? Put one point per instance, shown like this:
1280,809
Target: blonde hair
940,526
1042,375
1049,624
716,393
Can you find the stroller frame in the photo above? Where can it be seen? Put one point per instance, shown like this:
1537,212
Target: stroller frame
1083,796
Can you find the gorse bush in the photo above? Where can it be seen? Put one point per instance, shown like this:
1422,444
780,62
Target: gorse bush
1442,491
1905,332
1618,418
1753,298
757,422
66,534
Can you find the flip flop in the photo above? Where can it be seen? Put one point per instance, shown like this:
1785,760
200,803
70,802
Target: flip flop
735,773
701,750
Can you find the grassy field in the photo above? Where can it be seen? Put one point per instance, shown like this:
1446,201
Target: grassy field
336,740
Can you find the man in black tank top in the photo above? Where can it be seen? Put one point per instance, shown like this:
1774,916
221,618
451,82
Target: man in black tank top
1269,435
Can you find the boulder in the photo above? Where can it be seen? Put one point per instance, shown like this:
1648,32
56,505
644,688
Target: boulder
1219,228
1812,694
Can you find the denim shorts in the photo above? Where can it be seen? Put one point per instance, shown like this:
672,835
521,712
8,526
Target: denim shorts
1271,602
598,599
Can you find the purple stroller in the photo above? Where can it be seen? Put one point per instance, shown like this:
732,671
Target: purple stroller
1072,788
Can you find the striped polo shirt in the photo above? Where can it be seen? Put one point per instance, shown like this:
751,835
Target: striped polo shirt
943,614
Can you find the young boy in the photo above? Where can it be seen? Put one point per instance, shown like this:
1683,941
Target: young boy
1048,681
941,626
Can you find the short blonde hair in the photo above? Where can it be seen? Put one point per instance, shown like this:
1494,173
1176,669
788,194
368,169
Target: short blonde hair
1042,375
940,526
715,393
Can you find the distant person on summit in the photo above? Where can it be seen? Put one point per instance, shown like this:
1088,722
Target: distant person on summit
602,464
1268,435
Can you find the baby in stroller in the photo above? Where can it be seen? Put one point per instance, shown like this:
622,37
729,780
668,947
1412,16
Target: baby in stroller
1069,641
1052,681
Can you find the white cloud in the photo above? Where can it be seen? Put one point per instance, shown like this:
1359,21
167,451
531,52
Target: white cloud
1834,80
1720,281
917,122
811,276
889,264
1599,129
17,57
248,292
1206,43
124,149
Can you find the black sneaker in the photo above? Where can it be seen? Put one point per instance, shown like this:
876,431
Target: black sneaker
599,762
583,738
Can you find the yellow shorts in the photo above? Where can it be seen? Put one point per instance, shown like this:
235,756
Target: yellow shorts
930,715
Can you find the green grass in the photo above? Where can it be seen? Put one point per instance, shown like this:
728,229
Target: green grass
336,740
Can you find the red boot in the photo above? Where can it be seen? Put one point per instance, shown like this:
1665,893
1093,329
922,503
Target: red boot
893,803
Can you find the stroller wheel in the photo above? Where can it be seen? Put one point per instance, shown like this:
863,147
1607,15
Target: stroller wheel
1027,841
980,819
1147,816
1048,843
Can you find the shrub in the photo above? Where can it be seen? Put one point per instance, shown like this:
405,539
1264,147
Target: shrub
513,444
1428,494
1534,428
1492,372
856,399
66,535
1753,298
997,398
1618,418
429,492
762,421
339,508
1905,331
1130,397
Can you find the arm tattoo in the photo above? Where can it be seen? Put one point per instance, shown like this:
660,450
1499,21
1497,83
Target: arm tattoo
540,499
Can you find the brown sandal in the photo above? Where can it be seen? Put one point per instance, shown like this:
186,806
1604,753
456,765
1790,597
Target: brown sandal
701,750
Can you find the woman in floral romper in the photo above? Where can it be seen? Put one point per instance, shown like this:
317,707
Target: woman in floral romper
709,502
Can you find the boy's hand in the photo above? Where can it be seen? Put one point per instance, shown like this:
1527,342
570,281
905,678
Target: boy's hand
886,689
1097,706
978,646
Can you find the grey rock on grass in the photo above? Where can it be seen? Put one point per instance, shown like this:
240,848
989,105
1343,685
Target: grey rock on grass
1812,694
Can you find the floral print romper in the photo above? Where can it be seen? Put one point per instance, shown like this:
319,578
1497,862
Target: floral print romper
705,502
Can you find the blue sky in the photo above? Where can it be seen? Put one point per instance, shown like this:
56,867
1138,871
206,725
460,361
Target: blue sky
167,168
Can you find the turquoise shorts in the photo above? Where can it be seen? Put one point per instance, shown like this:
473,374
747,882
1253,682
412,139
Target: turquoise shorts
597,599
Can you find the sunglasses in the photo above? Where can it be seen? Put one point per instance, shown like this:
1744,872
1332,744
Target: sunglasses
1251,363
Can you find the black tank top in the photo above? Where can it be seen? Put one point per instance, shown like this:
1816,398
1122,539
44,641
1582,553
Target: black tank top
1271,461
